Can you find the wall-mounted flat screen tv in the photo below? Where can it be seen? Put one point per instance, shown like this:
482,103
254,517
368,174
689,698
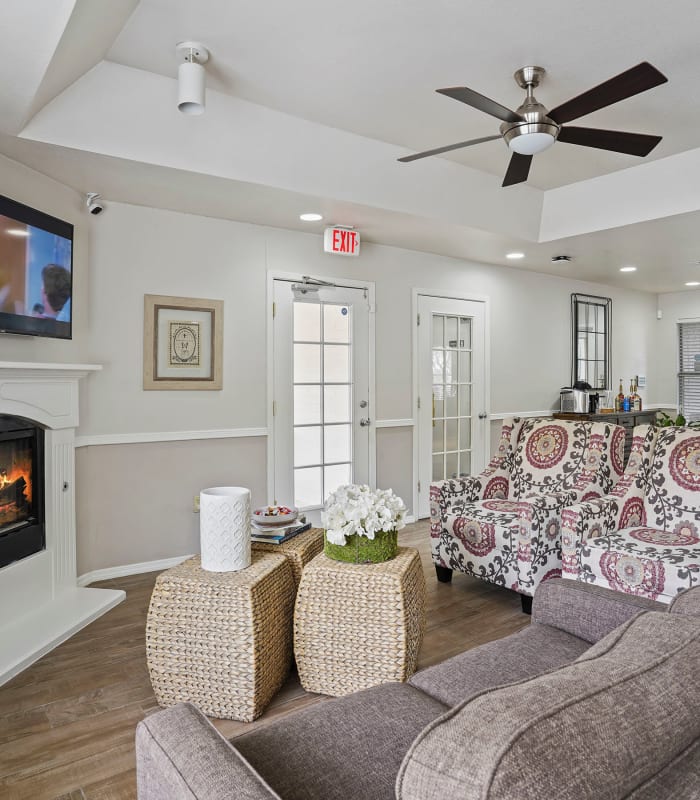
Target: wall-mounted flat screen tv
36,272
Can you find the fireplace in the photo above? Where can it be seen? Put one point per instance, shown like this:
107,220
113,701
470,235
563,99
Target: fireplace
41,603
22,530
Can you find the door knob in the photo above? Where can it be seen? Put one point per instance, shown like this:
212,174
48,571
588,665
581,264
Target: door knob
363,404
483,415
365,421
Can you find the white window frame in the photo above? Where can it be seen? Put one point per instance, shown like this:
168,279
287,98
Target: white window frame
686,374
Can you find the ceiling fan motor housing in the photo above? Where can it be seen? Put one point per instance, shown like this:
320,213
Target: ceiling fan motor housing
537,131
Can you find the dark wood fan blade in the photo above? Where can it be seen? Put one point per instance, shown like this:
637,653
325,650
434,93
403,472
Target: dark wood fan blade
447,148
518,169
635,144
478,101
635,80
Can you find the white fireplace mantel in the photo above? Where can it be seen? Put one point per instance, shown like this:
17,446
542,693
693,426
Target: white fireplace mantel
41,604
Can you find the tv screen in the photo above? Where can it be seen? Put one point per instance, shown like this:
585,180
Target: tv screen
36,272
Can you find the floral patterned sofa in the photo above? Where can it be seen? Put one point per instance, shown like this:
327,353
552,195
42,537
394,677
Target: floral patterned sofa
644,537
504,524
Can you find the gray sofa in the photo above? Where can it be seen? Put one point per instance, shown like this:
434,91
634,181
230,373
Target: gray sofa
597,699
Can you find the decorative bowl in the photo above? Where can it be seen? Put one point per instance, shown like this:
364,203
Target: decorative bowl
275,515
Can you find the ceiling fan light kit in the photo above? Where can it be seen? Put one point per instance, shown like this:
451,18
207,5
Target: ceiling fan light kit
531,129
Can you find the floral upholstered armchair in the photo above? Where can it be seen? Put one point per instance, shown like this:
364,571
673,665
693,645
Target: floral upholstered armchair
644,537
504,524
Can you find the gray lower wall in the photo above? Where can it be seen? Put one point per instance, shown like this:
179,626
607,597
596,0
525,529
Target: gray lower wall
134,501
395,462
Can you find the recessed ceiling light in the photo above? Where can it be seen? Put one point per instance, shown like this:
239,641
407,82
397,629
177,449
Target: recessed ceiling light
628,269
556,259
311,217
693,283
515,255
17,232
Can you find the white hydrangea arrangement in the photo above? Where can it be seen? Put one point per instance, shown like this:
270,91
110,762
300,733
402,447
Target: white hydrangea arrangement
357,509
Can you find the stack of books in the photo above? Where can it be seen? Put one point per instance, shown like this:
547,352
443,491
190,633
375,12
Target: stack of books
276,534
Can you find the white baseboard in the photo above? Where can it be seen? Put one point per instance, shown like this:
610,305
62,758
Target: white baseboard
130,569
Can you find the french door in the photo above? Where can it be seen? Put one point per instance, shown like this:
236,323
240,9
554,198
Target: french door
452,414
321,393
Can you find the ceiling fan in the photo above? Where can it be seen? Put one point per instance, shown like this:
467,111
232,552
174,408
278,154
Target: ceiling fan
532,129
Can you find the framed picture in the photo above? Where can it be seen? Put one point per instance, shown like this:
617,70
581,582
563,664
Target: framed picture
182,343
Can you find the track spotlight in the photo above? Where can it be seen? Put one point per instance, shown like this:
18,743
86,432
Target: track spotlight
191,77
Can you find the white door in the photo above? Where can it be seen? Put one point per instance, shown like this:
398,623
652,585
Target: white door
452,415
321,393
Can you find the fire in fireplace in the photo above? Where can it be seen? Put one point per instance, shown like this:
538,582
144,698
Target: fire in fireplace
21,489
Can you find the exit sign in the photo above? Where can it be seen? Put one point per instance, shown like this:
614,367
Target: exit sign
342,241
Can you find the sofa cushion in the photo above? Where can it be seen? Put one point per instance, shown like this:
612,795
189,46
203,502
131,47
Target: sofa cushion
678,780
594,730
586,610
687,602
530,652
339,749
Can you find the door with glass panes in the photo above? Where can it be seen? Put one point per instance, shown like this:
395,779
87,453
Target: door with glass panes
322,418
452,418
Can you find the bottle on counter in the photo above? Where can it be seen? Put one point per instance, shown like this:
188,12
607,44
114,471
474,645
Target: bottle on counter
620,399
636,399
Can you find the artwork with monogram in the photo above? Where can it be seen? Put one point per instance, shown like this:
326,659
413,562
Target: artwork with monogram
504,525
644,538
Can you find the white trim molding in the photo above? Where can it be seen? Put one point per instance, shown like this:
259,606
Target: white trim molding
130,569
166,436
506,414
395,423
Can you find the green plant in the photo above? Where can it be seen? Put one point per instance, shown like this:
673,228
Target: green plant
663,420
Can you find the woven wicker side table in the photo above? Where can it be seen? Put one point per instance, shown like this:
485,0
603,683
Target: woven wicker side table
221,640
358,625
299,550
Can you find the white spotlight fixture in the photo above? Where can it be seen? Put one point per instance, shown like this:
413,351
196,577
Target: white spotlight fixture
514,256
191,77
628,269
693,283
310,217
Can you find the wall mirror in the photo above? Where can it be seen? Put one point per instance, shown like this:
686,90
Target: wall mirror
591,318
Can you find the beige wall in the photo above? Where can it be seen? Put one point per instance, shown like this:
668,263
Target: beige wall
134,498
134,501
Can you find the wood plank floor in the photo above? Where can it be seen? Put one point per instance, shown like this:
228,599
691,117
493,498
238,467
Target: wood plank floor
67,723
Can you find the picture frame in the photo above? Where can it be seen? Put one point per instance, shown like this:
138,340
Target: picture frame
182,343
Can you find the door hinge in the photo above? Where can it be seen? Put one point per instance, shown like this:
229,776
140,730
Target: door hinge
418,403
418,319
418,487
274,310
274,408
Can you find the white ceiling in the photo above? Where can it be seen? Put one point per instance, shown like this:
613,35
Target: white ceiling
310,103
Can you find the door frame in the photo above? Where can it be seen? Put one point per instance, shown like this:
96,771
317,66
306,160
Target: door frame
446,295
297,277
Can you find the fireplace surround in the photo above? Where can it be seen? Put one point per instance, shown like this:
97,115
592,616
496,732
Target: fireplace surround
41,604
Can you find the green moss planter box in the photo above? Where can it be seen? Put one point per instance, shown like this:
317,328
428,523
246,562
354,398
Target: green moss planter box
361,550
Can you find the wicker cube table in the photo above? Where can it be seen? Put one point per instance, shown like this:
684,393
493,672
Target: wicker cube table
299,550
358,625
221,640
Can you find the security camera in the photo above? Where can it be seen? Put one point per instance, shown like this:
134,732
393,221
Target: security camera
94,203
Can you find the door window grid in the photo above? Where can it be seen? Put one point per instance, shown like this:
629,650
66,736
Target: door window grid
322,411
452,396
